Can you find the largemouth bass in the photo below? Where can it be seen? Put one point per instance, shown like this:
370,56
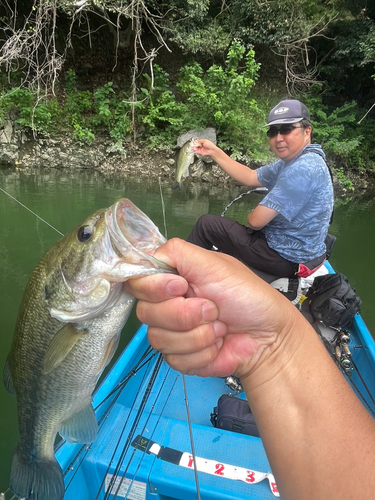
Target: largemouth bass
68,328
185,158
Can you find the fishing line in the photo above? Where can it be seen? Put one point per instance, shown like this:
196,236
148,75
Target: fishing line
36,215
157,422
115,473
118,466
163,209
191,438
144,429
146,395
183,376
120,387
354,385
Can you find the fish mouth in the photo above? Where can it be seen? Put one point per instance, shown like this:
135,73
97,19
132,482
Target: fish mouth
133,235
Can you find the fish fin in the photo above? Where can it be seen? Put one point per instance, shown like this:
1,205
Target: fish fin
41,477
176,185
110,351
8,379
60,346
81,427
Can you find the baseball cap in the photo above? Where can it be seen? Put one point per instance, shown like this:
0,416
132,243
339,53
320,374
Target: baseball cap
288,111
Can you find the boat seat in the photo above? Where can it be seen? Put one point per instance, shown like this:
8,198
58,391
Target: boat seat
289,287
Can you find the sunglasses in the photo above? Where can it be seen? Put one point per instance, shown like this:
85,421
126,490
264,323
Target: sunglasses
283,130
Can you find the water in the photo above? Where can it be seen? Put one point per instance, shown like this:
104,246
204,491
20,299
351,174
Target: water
64,199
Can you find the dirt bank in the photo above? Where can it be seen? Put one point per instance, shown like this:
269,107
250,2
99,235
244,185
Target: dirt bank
25,153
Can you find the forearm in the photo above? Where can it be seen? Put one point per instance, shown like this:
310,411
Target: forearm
236,170
317,435
260,216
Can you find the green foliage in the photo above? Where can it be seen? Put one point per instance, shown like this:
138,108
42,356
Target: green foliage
280,25
221,97
158,110
355,43
342,178
82,134
110,113
197,26
40,117
334,128
76,103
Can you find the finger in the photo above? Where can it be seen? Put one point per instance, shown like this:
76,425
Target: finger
178,314
157,288
191,261
195,340
192,364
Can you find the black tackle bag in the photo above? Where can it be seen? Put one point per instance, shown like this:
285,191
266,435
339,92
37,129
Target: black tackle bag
234,414
333,301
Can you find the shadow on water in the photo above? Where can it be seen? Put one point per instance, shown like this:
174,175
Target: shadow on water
65,198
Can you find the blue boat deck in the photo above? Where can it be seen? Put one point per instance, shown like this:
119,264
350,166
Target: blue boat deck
161,416
152,405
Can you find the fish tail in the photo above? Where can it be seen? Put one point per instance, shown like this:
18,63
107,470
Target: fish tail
176,185
42,478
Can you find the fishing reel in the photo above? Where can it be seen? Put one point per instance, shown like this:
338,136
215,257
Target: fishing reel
233,383
342,351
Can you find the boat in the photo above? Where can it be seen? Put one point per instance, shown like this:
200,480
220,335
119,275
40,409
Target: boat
156,440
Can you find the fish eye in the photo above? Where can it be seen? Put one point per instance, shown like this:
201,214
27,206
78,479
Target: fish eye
84,233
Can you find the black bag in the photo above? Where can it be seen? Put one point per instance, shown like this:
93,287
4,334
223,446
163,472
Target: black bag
234,414
333,301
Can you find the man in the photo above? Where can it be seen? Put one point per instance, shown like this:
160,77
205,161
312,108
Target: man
286,232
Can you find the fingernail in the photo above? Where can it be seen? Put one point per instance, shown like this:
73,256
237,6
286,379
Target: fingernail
176,288
209,312
220,328
219,343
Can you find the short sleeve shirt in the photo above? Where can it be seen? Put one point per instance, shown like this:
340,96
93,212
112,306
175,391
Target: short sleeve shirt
301,192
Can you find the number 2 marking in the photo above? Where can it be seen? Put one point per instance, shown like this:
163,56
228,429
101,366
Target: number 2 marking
219,469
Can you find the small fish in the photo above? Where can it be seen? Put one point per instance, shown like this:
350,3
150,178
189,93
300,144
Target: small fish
68,328
185,158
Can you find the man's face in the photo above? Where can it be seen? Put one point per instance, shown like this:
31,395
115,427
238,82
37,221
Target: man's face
287,145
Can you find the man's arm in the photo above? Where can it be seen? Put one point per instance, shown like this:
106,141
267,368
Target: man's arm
236,170
217,318
260,217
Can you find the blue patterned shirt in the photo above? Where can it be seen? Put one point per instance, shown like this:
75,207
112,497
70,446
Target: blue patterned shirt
301,192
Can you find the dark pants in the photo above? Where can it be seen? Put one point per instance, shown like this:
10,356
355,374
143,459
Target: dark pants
237,240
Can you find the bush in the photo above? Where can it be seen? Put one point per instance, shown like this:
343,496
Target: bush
40,117
221,97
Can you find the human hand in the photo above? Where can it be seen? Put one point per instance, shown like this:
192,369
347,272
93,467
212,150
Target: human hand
213,319
205,147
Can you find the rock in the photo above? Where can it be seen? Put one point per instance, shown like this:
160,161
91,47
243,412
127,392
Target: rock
63,152
207,133
7,134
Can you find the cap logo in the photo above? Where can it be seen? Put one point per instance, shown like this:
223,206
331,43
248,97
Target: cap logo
281,111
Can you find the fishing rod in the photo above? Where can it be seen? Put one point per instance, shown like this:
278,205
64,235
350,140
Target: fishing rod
258,190
144,430
183,376
119,388
134,426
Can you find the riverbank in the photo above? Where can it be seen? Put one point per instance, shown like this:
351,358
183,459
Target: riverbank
133,161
